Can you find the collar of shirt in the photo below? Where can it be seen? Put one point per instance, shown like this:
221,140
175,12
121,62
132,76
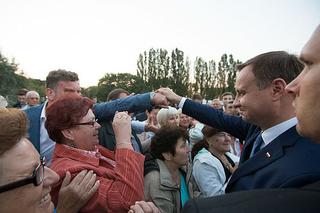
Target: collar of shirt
91,154
273,132
43,111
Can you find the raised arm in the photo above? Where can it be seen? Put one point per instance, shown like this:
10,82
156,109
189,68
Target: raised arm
137,103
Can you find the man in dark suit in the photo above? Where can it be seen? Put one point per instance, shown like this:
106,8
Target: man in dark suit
106,133
59,82
305,91
274,155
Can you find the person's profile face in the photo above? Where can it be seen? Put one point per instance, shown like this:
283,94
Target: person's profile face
181,152
305,89
251,100
19,163
63,87
85,133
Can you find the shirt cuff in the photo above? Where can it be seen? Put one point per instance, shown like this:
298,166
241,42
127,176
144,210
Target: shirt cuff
152,94
181,103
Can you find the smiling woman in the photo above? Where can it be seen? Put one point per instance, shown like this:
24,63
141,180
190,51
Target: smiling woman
25,173
72,124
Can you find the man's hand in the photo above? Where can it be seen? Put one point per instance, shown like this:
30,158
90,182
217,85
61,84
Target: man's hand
75,194
143,207
159,100
170,95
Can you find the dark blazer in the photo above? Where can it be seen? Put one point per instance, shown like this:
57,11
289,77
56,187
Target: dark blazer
103,111
288,161
305,199
33,114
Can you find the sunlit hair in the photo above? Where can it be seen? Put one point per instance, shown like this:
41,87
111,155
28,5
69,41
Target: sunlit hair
207,132
55,76
271,65
32,94
114,94
165,113
64,113
165,140
227,93
197,96
13,124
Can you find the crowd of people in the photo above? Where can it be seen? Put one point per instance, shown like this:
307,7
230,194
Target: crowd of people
257,150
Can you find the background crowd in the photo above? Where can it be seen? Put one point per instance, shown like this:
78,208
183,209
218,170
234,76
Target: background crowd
162,152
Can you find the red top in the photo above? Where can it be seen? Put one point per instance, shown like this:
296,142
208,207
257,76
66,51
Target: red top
120,175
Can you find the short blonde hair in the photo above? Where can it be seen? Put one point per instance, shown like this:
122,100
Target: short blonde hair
165,113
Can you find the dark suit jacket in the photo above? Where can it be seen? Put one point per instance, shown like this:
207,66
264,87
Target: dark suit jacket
107,137
33,114
288,161
305,199
103,112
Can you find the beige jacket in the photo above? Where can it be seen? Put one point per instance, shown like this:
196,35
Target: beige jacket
163,191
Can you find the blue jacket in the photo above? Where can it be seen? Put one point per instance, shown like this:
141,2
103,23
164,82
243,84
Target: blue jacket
103,111
288,161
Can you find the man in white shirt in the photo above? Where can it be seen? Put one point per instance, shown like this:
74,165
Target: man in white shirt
305,91
273,155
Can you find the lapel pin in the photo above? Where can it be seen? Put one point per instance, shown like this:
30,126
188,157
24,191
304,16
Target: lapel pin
268,155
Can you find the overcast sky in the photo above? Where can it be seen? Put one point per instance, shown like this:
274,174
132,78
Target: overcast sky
94,37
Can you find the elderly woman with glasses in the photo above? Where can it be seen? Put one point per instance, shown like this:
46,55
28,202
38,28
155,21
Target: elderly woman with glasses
25,181
72,125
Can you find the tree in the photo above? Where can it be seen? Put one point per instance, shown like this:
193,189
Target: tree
180,76
127,81
201,75
12,79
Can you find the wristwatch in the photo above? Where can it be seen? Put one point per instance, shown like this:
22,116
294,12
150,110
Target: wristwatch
152,94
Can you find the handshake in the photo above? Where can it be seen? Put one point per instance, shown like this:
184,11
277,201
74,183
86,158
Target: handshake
163,96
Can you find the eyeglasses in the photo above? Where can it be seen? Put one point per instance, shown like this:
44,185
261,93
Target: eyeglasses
92,123
36,178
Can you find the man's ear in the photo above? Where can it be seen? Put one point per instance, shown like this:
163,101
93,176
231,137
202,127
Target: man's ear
167,155
68,133
278,88
50,93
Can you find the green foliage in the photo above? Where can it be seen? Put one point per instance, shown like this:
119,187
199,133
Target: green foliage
11,81
127,81
155,68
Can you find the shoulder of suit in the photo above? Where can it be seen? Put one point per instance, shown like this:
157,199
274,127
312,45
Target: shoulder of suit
34,109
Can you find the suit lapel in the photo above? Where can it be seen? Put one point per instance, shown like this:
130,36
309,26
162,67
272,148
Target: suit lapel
248,147
265,156
34,116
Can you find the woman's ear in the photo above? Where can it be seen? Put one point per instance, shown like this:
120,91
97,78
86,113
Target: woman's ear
68,134
167,155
